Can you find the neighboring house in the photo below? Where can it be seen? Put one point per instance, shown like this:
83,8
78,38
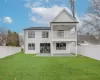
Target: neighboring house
56,39
87,40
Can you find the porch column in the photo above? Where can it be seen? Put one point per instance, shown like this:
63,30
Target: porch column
76,38
51,38
76,48
51,48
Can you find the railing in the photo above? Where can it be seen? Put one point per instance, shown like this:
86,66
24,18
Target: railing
64,34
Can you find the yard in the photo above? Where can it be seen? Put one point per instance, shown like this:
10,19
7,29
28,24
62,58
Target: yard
31,67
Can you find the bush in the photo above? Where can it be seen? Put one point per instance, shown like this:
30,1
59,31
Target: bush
22,49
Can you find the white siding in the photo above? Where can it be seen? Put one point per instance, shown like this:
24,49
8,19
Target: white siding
64,16
37,40
69,48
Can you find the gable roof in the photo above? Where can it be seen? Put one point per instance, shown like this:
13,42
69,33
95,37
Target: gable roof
67,17
38,28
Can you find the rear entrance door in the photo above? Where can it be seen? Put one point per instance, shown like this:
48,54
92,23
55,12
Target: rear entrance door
44,47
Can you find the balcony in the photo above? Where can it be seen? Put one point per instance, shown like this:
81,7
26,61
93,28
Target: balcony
64,36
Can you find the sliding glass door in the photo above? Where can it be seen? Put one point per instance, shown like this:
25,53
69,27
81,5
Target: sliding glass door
44,47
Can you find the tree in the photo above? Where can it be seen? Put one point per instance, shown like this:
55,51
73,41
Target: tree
16,37
12,39
9,38
72,3
21,40
3,36
92,20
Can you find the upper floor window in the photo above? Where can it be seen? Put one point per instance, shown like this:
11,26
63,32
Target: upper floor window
61,33
45,34
31,34
31,46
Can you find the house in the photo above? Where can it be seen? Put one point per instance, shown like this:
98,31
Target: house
87,40
58,39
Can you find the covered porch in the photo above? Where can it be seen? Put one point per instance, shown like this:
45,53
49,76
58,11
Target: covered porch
63,48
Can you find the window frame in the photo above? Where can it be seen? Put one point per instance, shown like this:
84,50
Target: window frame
32,46
31,34
61,46
45,34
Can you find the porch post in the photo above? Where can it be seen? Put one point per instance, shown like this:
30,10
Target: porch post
76,48
51,48
76,39
51,25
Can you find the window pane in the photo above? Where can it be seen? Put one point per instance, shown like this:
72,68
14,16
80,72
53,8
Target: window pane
45,34
31,46
61,46
31,34
57,46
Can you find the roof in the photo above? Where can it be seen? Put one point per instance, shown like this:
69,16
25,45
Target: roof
89,38
67,13
38,28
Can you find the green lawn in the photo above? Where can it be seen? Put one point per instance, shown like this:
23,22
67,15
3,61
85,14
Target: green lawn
30,67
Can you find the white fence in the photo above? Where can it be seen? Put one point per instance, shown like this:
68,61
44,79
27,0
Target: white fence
92,51
7,51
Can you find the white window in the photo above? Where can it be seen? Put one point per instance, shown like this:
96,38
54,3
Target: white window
45,34
31,46
31,34
60,46
61,33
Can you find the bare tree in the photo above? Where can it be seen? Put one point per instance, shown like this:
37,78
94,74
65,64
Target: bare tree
72,3
94,8
94,16
3,35
91,22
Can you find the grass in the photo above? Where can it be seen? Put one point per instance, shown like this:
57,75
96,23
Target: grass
30,67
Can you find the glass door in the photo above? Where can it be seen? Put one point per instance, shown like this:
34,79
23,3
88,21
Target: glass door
44,47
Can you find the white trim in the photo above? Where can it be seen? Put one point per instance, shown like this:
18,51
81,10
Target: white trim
76,40
64,10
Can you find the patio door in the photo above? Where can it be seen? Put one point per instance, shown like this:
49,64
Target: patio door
44,47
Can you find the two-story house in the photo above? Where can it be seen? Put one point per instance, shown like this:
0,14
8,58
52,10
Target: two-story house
58,39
